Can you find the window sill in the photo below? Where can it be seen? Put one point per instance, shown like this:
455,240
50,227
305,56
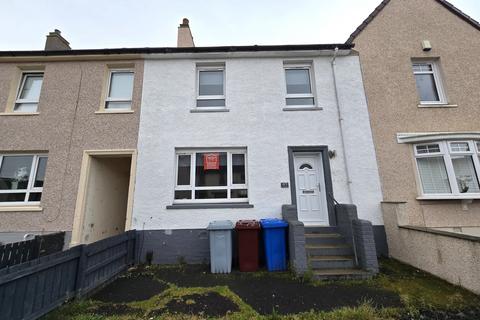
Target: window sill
20,208
449,197
199,110
19,113
210,205
439,105
114,112
302,109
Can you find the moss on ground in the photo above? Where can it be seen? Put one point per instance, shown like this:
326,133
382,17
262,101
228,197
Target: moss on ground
418,291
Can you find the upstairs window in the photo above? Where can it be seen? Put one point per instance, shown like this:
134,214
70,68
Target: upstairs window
120,89
211,86
205,176
449,167
299,86
429,85
21,179
29,92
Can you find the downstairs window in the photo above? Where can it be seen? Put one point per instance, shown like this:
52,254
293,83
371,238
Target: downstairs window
21,179
209,176
449,167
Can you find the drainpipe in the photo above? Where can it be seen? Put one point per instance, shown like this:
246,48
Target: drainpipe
344,152
340,122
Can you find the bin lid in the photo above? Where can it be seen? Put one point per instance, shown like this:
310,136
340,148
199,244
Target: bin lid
220,225
273,223
247,224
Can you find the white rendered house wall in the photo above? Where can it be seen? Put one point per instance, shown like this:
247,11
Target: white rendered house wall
255,97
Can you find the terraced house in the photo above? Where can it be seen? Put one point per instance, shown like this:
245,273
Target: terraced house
242,132
69,126
421,67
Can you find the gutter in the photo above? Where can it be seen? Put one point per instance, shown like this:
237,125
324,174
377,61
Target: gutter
166,50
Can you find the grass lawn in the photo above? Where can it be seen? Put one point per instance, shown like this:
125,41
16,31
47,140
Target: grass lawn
191,292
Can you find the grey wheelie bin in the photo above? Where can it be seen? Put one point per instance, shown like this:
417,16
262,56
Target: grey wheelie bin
220,234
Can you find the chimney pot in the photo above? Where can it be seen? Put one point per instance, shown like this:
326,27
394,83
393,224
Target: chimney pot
184,36
55,41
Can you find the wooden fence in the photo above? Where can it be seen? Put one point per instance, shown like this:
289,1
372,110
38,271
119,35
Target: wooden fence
23,251
32,289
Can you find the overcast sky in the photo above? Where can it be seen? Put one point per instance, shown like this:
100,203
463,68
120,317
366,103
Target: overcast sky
153,23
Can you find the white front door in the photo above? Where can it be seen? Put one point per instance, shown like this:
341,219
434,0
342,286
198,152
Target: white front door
310,188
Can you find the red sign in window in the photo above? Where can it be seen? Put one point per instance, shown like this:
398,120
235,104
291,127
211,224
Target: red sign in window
211,161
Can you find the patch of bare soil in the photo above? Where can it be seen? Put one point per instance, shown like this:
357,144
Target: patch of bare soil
129,289
210,304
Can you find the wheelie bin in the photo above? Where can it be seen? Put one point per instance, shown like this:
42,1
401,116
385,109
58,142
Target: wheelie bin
220,234
274,239
248,236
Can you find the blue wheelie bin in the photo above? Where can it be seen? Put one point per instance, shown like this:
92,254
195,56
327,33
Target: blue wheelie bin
274,239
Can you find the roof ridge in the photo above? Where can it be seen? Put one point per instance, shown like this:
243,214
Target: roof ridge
450,7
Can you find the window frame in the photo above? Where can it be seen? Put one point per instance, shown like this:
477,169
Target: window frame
302,66
31,180
446,153
437,78
192,187
107,92
216,67
23,78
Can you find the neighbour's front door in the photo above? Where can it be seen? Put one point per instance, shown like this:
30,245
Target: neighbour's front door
310,189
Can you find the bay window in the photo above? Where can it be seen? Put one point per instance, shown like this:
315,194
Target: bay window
449,168
21,179
205,176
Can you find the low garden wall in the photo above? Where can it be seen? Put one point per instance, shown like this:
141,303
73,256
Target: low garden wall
450,256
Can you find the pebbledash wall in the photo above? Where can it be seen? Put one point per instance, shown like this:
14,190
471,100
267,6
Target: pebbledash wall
255,99
67,123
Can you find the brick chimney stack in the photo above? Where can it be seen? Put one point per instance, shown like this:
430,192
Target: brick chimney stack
55,41
184,38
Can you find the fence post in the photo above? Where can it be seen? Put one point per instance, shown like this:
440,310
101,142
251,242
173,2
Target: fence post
132,239
82,266
36,247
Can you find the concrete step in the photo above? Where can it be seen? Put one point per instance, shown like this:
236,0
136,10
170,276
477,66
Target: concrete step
340,274
321,229
329,250
323,238
331,262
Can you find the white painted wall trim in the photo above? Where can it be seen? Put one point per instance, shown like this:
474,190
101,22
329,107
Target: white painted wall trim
414,137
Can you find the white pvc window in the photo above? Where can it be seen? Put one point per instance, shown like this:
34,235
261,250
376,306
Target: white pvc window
428,82
120,89
449,168
211,87
21,178
299,85
222,179
29,92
